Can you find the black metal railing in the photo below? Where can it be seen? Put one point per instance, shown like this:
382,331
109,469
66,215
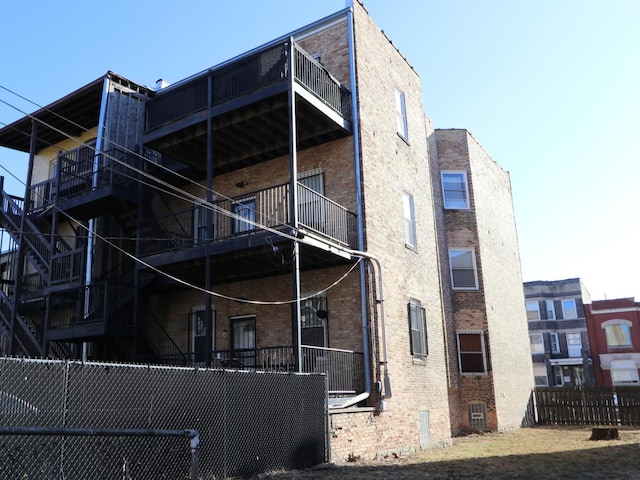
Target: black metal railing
82,170
158,339
67,266
344,368
106,303
248,74
317,79
246,214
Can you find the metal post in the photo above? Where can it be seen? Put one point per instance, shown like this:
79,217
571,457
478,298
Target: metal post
293,208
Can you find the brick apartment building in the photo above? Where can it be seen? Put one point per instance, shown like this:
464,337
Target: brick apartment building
283,210
614,334
486,333
558,336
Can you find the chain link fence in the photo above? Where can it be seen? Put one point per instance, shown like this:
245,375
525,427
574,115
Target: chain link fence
248,422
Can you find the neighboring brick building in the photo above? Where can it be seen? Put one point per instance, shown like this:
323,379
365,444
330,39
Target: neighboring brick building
489,362
558,336
275,212
614,334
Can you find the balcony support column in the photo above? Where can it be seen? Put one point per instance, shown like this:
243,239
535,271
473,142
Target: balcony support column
293,210
209,219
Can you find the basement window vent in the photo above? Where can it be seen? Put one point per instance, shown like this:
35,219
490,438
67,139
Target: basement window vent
477,415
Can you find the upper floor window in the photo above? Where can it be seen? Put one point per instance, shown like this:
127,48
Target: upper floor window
401,114
618,333
455,190
472,356
536,342
409,215
554,341
551,311
569,309
418,329
533,310
463,268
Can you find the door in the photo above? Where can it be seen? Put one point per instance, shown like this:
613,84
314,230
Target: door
311,211
244,340
244,209
198,328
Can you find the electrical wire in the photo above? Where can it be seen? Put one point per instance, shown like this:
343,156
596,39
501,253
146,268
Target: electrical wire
180,193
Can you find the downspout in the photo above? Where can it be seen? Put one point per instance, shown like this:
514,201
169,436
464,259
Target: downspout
92,222
360,253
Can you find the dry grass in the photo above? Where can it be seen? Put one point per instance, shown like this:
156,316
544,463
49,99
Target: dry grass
557,453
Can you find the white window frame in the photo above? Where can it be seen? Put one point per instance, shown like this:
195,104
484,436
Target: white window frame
529,307
409,216
625,329
540,376
551,309
536,343
624,376
454,252
571,345
569,310
418,329
554,342
483,352
401,114
558,376
454,203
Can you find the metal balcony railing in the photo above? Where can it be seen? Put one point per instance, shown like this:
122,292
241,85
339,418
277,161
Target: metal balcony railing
247,214
344,368
247,74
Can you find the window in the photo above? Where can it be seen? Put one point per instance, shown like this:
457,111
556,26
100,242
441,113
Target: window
540,375
551,311
536,343
569,310
533,311
618,333
574,344
463,269
243,340
624,372
554,341
557,376
418,329
471,353
401,114
409,220
244,209
313,321
455,190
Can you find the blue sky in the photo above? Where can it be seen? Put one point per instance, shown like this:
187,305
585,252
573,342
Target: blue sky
550,89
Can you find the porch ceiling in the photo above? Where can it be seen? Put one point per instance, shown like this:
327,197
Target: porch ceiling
249,134
247,264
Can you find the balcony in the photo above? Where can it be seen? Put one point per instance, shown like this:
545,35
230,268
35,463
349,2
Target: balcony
239,225
247,102
344,368
86,185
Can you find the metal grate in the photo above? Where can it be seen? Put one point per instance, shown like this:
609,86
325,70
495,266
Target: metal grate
425,436
249,422
477,415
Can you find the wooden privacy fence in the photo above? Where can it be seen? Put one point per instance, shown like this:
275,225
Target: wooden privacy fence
588,406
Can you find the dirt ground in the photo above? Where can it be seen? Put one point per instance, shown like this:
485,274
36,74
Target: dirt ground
554,453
